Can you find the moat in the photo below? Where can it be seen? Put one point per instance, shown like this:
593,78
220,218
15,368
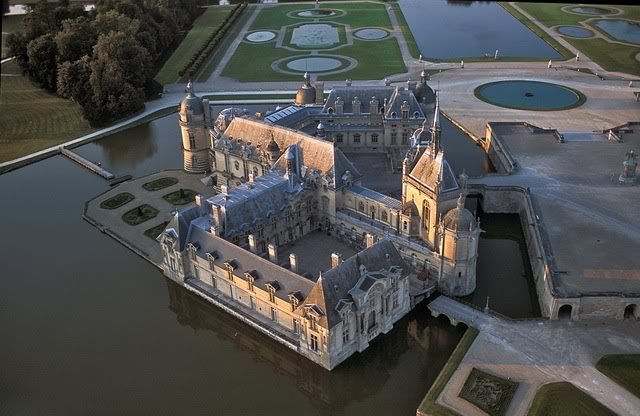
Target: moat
103,329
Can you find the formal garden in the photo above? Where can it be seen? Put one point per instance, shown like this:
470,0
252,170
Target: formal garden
349,40
139,214
117,201
615,31
490,393
160,183
180,197
154,232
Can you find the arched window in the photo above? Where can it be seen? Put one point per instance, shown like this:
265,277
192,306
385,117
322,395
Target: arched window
255,172
361,206
192,140
425,215
384,216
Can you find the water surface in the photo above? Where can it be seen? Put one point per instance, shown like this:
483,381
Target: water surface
446,30
619,29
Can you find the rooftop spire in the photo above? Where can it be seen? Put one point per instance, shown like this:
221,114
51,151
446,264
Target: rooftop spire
190,88
435,129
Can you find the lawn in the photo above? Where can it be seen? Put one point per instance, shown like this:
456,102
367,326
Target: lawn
31,119
180,197
624,369
429,405
139,214
160,183
202,27
117,201
564,399
610,56
376,59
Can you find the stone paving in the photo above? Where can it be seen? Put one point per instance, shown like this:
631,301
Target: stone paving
110,221
533,353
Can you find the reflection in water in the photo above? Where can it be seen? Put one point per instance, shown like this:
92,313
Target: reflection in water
503,270
361,377
462,152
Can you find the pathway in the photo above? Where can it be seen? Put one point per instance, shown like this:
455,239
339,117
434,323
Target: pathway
537,352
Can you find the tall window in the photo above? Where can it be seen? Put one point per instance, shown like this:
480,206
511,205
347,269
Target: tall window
296,326
394,138
405,137
425,215
385,218
361,206
339,138
374,138
313,324
356,138
345,334
274,315
314,342
405,114
192,140
255,172
395,300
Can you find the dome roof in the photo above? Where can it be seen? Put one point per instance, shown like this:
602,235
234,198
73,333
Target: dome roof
459,218
306,94
192,103
424,93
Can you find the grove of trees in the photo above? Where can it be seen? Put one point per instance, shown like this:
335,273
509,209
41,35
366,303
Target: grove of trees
104,59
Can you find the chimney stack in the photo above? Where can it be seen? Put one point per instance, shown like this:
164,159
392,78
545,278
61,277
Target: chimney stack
370,240
293,263
336,259
273,253
252,244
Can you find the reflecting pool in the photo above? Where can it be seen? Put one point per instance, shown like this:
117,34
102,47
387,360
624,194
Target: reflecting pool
591,10
446,30
619,29
575,31
529,95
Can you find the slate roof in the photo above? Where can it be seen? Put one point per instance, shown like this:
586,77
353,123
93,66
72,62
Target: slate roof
429,170
336,283
247,262
395,97
376,196
180,223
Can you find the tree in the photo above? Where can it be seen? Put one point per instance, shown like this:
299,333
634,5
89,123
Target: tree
73,80
76,39
112,21
42,67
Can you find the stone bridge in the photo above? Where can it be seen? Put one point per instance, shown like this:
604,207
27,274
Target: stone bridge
458,312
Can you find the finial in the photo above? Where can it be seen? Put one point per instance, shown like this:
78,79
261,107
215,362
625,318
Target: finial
463,180
190,87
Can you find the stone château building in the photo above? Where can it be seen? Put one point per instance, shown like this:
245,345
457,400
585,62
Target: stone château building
280,181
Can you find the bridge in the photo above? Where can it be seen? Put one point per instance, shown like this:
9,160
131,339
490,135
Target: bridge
87,163
459,312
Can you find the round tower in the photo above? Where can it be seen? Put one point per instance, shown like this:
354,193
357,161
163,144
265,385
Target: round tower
459,251
194,132
306,94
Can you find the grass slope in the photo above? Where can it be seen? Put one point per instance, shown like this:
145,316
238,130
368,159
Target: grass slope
624,369
31,119
565,399
406,31
375,60
202,27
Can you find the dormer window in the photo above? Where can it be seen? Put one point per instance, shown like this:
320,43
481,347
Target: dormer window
193,248
212,256
405,114
394,115
251,278
230,266
295,298
272,287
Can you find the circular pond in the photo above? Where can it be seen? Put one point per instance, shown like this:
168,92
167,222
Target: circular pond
529,95
574,31
591,10
316,13
260,36
370,34
620,29
314,64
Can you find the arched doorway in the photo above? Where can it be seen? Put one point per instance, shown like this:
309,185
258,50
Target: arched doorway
630,312
565,312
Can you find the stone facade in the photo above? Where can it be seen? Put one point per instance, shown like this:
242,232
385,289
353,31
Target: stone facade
277,184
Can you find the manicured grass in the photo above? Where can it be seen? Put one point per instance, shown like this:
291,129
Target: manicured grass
488,392
154,232
180,197
246,67
203,26
624,369
565,399
31,119
429,405
376,60
117,201
160,183
406,31
610,56
139,214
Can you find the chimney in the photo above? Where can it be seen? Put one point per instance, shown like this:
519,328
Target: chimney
224,189
336,259
252,244
293,263
200,200
370,240
216,215
319,92
273,253
252,178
